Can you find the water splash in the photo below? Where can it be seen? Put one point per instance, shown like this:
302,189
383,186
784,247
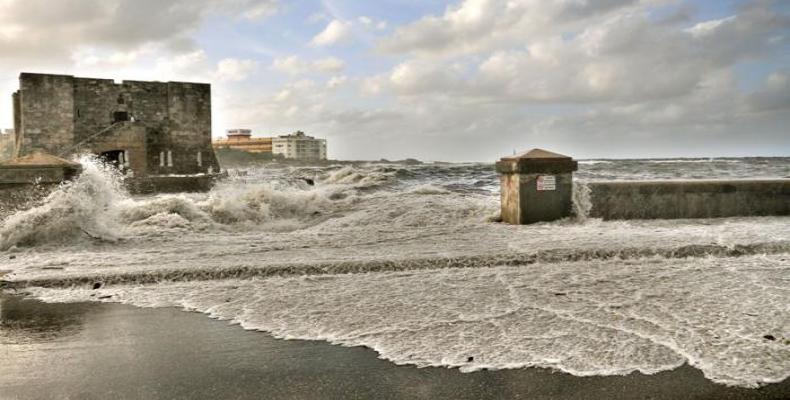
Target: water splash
82,207
581,201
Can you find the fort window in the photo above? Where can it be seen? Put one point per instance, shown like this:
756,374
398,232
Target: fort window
113,157
120,99
161,158
199,159
120,116
169,158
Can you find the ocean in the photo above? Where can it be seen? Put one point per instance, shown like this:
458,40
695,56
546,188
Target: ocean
410,261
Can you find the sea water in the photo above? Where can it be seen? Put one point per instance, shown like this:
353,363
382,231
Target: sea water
410,261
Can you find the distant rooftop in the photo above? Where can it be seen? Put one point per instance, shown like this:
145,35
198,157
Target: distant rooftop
239,132
297,134
537,153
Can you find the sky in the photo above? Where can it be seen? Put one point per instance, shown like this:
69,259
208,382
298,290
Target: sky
468,80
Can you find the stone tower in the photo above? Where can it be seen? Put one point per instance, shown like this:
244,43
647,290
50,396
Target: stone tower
152,128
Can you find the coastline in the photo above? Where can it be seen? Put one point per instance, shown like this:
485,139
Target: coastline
95,350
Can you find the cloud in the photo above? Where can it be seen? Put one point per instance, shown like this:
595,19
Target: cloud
294,65
49,32
475,25
370,23
329,64
234,70
594,78
290,65
335,32
624,58
336,81
260,9
591,78
774,95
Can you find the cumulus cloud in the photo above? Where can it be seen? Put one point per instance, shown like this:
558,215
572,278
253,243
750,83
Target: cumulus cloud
234,70
335,32
290,65
256,10
329,64
595,78
49,32
587,77
475,25
336,81
623,58
295,65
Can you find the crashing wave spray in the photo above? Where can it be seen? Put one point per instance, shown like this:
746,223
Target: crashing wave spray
79,207
95,205
581,201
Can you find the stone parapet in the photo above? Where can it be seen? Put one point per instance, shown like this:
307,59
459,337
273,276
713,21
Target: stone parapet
689,199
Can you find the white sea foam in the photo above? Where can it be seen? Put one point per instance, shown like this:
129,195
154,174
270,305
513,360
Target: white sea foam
584,318
428,189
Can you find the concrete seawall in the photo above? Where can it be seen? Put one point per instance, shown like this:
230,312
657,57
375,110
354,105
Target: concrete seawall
689,199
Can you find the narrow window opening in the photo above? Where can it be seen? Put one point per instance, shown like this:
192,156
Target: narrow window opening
120,116
169,158
200,159
161,158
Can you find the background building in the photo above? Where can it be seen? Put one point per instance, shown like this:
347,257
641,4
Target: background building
298,146
152,128
241,139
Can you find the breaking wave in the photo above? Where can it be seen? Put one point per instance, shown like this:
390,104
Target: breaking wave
95,206
79,207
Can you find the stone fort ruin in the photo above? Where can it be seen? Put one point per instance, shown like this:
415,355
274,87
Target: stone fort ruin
149,128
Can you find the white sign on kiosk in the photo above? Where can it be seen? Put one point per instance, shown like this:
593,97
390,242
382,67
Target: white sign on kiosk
547,182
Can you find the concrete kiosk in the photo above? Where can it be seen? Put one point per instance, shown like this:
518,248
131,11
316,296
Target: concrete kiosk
536,186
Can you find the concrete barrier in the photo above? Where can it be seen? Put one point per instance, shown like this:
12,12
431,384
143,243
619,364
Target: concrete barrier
689,199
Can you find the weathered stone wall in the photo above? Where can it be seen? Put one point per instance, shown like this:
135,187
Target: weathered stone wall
94,102
190,126
130,137
46,113
32,175
689,199
17,120
7,144
509,193
61,114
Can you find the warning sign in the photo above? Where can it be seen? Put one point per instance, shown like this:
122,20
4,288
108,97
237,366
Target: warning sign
547,182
